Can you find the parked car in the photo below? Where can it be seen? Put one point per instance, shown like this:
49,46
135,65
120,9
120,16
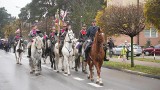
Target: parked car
150,50
137,50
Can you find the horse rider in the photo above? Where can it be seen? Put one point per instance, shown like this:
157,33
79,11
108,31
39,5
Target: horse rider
32,34
53,35
63,33
16,39
82,37
90,37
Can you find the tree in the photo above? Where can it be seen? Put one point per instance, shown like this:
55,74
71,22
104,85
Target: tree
152,13
83,11
5,18
124,20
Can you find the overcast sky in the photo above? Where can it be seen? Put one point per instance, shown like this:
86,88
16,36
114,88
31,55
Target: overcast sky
13,6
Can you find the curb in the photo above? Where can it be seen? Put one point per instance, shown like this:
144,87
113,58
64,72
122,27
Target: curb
134,72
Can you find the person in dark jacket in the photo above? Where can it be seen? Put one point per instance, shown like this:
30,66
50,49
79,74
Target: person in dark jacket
82,37
90,36
110,46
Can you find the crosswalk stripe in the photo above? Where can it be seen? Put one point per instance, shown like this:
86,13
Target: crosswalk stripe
77,78
95,85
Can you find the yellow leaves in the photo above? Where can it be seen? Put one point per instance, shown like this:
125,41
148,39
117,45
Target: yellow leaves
125,25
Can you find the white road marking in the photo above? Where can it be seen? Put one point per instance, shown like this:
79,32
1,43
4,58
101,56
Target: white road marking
95,85
79,79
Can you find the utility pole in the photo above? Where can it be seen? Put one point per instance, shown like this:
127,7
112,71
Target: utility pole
138,19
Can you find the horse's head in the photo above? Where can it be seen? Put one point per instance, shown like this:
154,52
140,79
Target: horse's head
69,36
38,44
49,43
99,37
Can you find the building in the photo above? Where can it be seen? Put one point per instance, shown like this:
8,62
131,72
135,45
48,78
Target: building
148,34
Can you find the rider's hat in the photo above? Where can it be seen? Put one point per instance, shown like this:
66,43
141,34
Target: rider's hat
84,25
93,20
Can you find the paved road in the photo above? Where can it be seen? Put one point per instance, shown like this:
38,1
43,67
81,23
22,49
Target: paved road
17,77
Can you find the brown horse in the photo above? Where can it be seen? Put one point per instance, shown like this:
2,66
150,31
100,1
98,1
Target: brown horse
96,56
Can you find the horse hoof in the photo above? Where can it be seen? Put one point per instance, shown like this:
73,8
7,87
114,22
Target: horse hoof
88,77
51,66
57,71
69,74
20,63
62,69
17,63
97,82
101,84
65,73
85,72
37,74
31,72
54,68
92,80
76,70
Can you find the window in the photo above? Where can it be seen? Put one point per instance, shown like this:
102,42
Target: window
151,33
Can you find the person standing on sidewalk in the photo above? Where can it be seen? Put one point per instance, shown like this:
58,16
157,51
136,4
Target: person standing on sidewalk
110,45
127,47
123,53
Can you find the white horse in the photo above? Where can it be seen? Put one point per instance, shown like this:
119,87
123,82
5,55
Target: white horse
36,55
67,52
19,51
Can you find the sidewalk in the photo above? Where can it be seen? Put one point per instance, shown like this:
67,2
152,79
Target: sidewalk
136,62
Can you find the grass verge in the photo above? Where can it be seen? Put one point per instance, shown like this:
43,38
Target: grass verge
147,60
139,68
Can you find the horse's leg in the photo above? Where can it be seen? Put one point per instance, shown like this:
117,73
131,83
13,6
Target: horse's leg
100,79
31,64
51,60
37,68
65,64
62,62
90,76
20,58
57,63
68,66
98,72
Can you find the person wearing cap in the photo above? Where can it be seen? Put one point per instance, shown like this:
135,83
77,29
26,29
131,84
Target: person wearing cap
90,35
32,34
16,39
53,36
63,33
82,37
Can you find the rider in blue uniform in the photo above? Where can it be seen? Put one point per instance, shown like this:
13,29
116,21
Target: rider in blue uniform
90,36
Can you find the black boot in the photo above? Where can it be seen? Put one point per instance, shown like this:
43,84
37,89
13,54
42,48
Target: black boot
14,49
29,52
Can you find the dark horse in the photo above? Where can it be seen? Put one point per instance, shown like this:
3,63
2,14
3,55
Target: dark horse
49,51
96,56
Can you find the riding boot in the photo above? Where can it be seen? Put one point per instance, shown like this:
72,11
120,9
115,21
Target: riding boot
14,49
79,49
29,52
